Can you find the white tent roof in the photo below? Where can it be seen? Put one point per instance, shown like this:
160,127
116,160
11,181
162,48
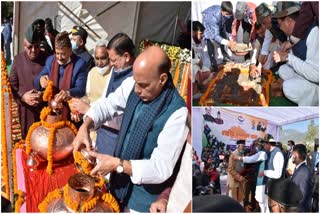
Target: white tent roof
280,115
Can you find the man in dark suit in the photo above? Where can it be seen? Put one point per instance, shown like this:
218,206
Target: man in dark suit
302,177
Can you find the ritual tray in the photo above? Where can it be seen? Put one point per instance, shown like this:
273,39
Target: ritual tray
241,49
232,86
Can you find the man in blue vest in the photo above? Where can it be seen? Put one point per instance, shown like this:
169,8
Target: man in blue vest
274,168
152,134
302,177
302,62
121,56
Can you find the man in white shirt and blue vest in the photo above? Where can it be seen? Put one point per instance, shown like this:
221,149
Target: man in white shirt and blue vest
152,133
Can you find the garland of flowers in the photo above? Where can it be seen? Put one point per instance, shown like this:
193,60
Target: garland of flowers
50,150
19,201
202,101
88,205
87,167
100,183
48,92
177,74
84,163
55,194
6,88
184,81
109,199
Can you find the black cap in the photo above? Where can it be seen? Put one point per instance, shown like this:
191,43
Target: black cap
241,142
285,192
78,30
215,203
40,22
32,35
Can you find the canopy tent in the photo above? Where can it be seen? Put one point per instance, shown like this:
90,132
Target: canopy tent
273,117
157,21
280,116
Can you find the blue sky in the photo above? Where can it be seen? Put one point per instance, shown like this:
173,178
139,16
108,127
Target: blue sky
300,126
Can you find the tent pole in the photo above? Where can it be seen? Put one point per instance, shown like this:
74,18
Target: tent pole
136,21
84,24
175,26
103,11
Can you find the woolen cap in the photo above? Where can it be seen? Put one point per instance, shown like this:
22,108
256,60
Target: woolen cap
32,35
240,10
286,9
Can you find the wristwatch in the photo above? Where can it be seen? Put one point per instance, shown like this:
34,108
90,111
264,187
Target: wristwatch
119,168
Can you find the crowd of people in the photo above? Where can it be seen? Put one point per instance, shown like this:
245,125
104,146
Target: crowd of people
116,99
282,38
263,177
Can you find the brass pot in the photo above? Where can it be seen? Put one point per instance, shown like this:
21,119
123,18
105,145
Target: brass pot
62,146
80,188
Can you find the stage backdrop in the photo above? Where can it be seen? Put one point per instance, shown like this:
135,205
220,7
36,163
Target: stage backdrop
228,126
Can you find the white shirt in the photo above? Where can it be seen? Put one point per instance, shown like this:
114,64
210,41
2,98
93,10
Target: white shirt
259,156
266,42
308,68
170,140
278,162
201,53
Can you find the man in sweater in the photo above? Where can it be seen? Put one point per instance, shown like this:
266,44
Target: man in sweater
152,134
302,62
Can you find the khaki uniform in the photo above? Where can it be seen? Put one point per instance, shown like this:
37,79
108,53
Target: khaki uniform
234,183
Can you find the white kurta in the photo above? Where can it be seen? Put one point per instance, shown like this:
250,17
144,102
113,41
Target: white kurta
301,77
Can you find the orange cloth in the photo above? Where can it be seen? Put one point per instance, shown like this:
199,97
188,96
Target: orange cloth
39,183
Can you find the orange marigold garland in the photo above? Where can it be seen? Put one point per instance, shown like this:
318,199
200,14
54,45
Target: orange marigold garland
88,205
6,88
55,194
84,163
50,150
48,92
108,198
19,201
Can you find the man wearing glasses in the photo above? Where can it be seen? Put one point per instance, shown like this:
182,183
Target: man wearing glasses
26,66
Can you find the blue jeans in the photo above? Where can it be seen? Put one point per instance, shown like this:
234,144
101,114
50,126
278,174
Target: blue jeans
106,141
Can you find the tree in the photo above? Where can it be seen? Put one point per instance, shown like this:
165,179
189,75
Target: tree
312,132
6,9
